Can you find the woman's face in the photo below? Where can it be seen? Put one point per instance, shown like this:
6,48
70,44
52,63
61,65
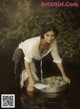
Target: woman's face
49,36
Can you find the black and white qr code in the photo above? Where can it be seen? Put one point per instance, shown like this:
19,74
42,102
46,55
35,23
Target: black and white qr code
7,101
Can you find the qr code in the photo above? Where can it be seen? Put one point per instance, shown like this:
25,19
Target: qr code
7,101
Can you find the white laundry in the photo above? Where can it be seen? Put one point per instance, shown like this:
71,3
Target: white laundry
41,86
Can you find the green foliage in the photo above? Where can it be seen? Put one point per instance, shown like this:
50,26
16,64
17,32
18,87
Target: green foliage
69,43
22,19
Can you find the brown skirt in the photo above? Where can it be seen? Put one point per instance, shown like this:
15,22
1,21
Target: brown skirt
18,58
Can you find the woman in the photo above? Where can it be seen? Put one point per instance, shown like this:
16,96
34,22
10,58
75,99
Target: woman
35,49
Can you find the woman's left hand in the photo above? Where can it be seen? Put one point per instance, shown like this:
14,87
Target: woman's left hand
66,79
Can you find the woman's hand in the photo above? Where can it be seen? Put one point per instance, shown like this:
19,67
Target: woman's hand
31,85
31,82
66,79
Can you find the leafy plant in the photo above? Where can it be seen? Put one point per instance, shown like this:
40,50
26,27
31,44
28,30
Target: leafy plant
22,19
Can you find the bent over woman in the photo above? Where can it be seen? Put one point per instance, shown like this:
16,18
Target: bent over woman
35,49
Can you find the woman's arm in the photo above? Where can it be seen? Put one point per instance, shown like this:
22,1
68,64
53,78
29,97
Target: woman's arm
30,77
60,66
58,61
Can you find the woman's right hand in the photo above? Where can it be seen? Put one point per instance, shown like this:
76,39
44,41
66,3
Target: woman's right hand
31,85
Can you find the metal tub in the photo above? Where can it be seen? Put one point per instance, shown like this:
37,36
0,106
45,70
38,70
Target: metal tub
57,84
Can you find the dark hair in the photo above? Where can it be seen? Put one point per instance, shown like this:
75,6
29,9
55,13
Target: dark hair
47,28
